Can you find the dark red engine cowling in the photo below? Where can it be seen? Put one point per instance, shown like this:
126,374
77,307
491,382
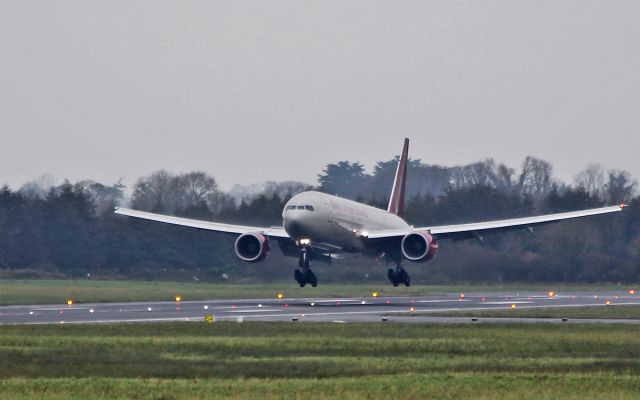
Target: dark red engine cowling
252,247
419,246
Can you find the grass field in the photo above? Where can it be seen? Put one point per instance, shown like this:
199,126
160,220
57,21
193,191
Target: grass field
319,361
605,312
85,291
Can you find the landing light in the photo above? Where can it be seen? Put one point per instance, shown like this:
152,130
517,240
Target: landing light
365,233
608,302
375,294
632,291
178,299
69,302
551,293
462,295
280,296
305,241
513,306
412,309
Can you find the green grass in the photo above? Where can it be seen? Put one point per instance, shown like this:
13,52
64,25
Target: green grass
600,312
85,291
307,360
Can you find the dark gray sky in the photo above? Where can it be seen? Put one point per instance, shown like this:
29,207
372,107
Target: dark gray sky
257,90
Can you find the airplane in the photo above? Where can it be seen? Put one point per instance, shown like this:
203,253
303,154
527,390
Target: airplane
319,226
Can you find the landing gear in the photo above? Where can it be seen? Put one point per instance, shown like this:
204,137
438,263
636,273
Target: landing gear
398,276
304,275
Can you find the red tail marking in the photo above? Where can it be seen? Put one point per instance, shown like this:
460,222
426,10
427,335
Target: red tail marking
396,202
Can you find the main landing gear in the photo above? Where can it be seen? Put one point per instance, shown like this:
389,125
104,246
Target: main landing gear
304,275
398,276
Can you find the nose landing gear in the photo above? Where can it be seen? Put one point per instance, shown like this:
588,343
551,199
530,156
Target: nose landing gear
305,275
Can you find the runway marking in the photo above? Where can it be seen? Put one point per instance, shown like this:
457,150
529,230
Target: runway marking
508,302
332,300
442,301
251,311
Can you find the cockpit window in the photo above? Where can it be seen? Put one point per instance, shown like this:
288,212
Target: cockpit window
308,208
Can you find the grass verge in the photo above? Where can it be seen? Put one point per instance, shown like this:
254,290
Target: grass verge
90,291
319,361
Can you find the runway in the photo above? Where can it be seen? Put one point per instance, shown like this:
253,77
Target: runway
419,309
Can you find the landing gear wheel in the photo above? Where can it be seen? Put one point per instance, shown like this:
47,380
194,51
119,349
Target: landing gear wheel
311,278
391,274
299,277
405,278
399,276
306,277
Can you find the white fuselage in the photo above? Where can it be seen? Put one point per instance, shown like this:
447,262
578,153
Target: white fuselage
331,220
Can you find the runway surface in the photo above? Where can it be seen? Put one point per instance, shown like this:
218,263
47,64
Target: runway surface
419,309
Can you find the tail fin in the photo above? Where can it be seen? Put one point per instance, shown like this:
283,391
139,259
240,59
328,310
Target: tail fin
396,202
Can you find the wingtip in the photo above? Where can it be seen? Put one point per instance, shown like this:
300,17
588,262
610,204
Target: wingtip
623,206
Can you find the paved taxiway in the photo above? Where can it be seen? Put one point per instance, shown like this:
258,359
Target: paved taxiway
361,309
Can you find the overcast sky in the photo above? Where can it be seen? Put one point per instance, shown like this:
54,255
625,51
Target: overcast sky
273,90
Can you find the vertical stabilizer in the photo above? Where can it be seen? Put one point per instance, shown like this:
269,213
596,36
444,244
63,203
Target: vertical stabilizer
396,201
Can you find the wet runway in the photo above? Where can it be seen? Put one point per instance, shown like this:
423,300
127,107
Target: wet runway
420,309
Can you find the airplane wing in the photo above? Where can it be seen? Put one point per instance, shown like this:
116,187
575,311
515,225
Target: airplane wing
478,229
207,225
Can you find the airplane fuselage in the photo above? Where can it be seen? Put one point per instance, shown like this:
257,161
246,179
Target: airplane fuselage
331,220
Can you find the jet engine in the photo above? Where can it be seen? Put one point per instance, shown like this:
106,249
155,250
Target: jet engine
419,246
252,247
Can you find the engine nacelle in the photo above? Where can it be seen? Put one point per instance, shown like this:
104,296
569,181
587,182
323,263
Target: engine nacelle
419,246
252,247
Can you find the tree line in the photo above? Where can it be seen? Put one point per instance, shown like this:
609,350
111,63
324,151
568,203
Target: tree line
69,229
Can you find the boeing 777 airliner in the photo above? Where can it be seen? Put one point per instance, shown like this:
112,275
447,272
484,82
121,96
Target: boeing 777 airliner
317,226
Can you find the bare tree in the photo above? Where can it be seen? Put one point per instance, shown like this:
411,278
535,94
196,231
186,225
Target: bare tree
156,192
535,179
505,178
104,197
39,187
483,173
479,173
620,187
591,179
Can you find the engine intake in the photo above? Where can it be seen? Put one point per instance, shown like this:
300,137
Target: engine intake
252,247
419,246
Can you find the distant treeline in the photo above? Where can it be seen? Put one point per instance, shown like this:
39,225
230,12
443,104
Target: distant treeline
69,230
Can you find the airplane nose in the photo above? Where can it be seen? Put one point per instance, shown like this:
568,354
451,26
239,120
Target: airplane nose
294,228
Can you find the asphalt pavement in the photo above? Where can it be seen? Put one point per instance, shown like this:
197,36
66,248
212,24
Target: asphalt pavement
418,309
